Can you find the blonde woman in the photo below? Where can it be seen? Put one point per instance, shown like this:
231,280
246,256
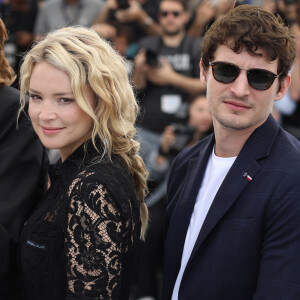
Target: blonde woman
81,241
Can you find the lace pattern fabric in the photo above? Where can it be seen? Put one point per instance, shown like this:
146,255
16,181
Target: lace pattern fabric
96,217
94,240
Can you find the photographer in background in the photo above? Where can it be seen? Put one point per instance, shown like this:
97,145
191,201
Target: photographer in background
291,121
140,15
287,9
19,18
56,14
120,37
165,82
175,138
205,13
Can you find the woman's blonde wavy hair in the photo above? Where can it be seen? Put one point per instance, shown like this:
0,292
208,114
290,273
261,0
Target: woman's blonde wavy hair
88,59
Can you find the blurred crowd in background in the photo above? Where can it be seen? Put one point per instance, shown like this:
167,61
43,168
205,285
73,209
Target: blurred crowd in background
161,42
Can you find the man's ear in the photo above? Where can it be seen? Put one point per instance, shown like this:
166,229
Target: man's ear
202,73
284,85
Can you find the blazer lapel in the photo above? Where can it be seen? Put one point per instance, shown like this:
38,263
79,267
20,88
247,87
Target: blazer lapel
233,185
182,213
241,174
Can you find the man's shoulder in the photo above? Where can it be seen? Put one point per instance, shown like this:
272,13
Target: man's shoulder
193,152
271,142
192,46
150,41
190,39
277,152
10,91
287,147
10,98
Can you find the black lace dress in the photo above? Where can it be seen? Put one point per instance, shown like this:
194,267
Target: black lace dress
80,243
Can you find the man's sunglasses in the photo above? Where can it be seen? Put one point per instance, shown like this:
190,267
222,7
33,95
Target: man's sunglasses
175,13
259,79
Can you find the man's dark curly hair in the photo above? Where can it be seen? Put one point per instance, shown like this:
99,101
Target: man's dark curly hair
251,27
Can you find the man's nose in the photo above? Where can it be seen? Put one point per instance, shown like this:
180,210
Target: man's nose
240,87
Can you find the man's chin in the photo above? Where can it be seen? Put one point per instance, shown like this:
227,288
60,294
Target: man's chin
171,32
234,122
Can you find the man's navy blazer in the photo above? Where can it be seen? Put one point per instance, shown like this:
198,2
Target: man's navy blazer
249,244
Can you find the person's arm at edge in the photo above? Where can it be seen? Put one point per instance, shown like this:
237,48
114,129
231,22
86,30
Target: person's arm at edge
279,275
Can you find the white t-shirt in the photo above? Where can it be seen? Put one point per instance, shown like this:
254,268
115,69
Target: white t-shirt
216,170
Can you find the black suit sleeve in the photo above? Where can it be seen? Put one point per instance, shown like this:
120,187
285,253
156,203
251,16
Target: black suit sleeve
279,275
23,163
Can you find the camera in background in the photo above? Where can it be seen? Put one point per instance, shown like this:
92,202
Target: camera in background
184,136
151,58
123,4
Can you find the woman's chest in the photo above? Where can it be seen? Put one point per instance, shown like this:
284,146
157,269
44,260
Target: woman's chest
42,241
